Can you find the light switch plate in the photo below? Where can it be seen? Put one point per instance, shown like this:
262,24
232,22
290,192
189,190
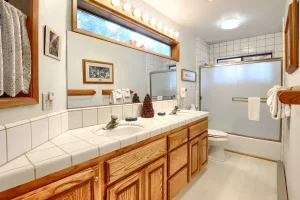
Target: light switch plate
47,103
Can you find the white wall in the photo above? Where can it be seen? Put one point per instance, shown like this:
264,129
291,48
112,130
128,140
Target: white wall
52,73
291,139
129,68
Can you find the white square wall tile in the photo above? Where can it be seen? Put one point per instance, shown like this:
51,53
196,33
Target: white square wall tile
3,157
237,46
89,117
261,49
261,43
137,109
165,106
270,35
278,40
252,44
127,110
229,43
279,34
39,132
278,48
54,125
117,111
75,119
18,140
252,39
245,40
270,48
223,49
104,114
262,37
159,105
270,41
64,121
244,45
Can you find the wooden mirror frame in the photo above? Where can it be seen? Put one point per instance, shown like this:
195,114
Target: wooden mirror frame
291,38
33,96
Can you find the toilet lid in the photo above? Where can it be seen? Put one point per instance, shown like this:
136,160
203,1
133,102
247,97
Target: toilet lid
217,134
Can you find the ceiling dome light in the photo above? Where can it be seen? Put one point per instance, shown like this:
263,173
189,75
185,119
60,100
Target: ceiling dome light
145,17
176,34
115,2
171,32
137,12
159,25
127,7
152,22
166,28
230,24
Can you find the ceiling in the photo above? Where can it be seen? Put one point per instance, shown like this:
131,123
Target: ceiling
257,17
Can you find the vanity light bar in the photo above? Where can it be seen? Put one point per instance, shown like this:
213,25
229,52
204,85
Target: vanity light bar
147,19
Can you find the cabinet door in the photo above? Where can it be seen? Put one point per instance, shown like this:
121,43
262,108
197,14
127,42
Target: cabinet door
156,180
204,148
83,185
127,189
194,157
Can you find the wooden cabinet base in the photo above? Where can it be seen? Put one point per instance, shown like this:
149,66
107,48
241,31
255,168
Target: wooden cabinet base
177,183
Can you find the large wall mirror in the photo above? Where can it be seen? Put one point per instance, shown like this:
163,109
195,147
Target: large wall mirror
96,67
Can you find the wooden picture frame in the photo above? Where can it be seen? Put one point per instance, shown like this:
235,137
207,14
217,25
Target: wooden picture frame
52,43
97,72
291,38
187,75
32,98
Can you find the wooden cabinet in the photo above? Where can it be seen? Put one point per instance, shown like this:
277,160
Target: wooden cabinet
204,148
177,183
83,185
177,159
156,180
194,157
128,189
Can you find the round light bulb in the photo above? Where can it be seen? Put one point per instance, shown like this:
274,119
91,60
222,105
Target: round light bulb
166,28
115,2
152,22
159,25
176,34
137,12
127,7
171,32
230,24
145,17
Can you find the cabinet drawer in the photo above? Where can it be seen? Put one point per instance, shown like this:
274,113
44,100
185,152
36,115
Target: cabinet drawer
197,129
177,159
177,183
129,162
177,139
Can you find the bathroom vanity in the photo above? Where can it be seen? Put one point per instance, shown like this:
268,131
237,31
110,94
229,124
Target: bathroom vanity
155,168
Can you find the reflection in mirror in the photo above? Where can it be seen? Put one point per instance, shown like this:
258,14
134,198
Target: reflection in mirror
95,68
163,84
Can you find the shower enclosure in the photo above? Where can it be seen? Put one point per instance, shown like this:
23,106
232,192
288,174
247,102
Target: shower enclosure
225,89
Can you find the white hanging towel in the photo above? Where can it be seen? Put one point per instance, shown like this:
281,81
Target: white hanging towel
254,108
126,93
1,67
16,52
278,110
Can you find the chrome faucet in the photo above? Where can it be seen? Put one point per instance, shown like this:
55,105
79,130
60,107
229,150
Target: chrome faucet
174,112
112,124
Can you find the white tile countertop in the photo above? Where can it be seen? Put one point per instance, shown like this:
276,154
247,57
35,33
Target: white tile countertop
79,145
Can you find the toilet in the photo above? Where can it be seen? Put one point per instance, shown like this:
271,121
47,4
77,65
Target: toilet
217,141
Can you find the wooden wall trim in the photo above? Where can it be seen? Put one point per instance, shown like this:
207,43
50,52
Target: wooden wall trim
33,32
102,7
76,92
253,156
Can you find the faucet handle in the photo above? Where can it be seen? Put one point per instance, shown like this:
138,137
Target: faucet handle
176,108
114,117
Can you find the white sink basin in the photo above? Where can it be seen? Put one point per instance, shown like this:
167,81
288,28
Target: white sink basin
120,131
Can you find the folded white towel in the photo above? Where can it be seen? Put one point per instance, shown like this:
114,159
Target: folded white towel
126,93
277,109
254,108
159,98
118,93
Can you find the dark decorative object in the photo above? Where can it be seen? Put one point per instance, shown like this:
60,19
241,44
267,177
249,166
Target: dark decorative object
136,98
148,111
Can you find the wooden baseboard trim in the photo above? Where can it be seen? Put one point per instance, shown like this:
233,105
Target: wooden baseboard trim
281,182
253,156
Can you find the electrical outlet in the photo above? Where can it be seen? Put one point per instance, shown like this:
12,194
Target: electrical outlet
47,103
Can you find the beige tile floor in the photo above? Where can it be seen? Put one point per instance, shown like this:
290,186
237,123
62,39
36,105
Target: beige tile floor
239,178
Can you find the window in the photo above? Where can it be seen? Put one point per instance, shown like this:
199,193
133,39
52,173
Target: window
91,23
245,58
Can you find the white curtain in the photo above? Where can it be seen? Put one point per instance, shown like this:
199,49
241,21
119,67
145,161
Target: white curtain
15,52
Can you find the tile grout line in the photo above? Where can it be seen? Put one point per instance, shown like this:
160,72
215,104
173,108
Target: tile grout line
34,167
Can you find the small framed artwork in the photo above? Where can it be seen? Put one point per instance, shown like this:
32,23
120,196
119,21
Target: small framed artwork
96,72
52,44
187,75
291,38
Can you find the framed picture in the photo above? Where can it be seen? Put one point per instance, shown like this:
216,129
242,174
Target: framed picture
96,72
187,75
52,44
291,38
